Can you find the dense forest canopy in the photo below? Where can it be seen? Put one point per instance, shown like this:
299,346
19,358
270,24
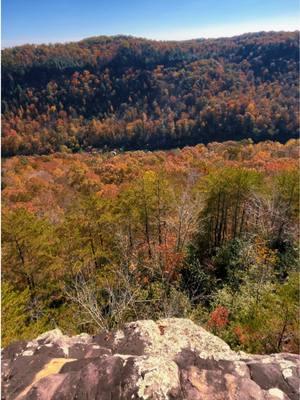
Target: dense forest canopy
125,92
90,241
205,226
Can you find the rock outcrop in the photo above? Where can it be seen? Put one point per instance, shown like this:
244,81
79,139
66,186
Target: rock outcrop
167,359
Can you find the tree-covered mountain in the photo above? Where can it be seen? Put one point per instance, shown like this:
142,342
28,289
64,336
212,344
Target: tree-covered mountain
136,93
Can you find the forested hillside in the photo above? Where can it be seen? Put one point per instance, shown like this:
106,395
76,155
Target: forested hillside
203,226
124,92
206,232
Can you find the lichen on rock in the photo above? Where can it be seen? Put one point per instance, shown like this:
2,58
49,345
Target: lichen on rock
167,359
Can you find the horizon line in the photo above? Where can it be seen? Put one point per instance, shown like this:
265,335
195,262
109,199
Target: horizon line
126,35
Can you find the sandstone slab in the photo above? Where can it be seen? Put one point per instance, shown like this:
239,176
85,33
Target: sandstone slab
167,359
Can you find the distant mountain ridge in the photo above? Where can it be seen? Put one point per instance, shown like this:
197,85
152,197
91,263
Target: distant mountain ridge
137,93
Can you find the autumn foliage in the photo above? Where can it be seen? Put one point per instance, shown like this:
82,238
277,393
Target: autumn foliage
123,92
206,232
218,319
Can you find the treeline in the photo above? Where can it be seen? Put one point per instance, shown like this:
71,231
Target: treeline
209,233
124,92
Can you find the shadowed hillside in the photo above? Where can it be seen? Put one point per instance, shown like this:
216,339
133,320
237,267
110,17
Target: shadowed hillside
136,93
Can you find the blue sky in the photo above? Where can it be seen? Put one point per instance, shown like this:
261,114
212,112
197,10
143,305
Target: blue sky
44,21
